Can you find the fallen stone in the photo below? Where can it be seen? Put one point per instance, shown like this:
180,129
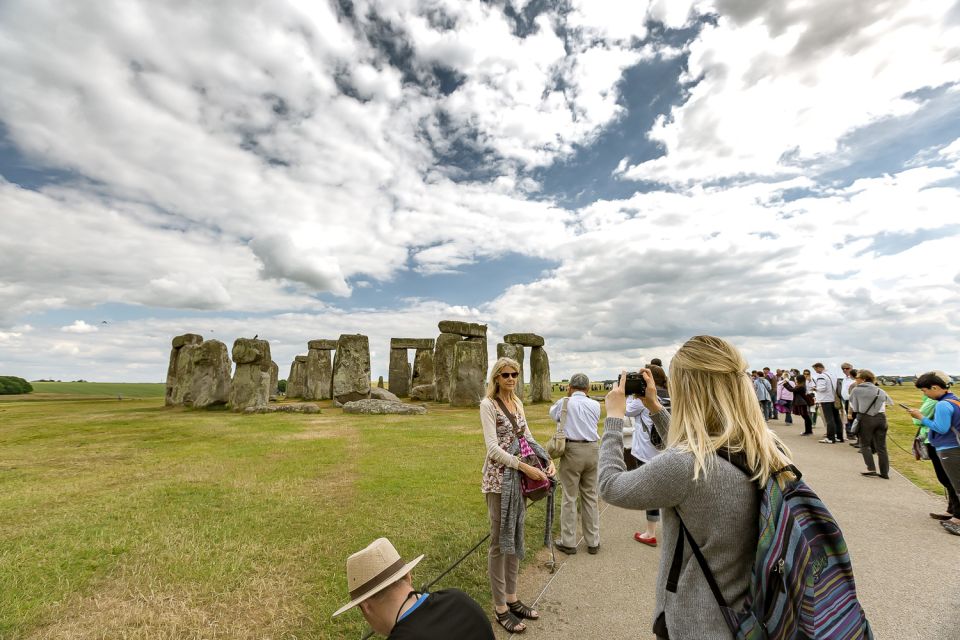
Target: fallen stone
383,407
351,368
323,345
443,365
411,343
422,392
465,329
295,407
525,339
378,393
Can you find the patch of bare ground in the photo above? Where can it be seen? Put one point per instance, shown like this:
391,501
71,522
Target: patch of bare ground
118,610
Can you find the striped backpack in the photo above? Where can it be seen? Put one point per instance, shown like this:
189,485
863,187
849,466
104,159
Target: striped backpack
802,584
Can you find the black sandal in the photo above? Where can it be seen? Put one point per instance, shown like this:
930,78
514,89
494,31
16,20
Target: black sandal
522,611
510,622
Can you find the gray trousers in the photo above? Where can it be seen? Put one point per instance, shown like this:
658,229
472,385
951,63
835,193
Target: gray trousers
502,567
873,437
950,461
578,477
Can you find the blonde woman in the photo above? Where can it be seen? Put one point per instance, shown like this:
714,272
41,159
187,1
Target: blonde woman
504,429
714,408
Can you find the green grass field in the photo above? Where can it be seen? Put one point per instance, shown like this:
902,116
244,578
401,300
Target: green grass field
129,520
101,389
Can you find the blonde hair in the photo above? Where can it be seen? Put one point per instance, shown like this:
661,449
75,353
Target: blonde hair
493,386
714,406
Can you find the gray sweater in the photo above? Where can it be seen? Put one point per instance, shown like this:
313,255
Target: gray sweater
720,509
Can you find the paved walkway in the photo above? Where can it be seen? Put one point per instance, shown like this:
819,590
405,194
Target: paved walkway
907,567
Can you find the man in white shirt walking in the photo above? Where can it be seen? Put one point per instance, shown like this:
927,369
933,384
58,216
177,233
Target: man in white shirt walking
825,393
578,466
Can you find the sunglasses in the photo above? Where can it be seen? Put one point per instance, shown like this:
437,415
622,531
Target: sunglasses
509,374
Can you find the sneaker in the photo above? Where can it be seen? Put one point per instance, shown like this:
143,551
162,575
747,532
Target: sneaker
952,528
826,441
593,550
941,516
650,542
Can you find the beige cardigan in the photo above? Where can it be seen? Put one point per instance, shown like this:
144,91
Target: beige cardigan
488,419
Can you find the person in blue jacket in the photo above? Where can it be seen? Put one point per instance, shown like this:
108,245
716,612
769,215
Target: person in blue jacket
944,432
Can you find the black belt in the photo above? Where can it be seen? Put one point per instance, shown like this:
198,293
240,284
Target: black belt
580,441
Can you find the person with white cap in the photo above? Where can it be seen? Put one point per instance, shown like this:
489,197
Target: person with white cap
380,584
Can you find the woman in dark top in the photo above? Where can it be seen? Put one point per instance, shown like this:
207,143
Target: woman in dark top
800,407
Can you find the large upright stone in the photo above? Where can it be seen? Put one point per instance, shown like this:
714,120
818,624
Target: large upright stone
298,375
206,380
177,343
485,357
422,367
351,369
443,365
514,351
251,379
540,387
318,372
465,329
469,367
524,339
399,374
274,381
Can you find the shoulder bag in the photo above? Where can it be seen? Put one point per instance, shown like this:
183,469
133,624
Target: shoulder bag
855,426
557,443
919,449
530,488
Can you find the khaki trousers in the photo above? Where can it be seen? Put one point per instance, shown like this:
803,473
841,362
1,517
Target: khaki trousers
578,477
502,567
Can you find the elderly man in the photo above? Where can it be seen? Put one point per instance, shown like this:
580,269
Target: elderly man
380,583
825,391
579,416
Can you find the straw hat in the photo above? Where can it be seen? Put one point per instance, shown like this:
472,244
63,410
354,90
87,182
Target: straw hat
372,570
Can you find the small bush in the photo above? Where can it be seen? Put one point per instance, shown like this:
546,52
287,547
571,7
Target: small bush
12,385
282,386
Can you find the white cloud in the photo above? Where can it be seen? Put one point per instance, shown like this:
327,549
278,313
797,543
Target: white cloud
79,326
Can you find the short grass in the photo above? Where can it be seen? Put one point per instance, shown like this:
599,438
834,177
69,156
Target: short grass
104,389
129,520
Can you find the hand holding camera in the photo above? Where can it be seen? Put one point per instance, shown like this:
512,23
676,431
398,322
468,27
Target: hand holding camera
637,383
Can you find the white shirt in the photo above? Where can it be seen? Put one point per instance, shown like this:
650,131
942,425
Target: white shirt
823,387
641,449
583,415
845,385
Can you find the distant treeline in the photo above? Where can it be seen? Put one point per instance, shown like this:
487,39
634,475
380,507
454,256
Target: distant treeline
12,385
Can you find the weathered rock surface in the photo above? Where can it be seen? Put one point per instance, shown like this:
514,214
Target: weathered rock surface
422,392
318,373
383,407
411,343
422,367
208,382
540,387
323,345
399,373
298,375
378,393
484,358
185,339
525,339
351,368
443,364
293,407
177,343
274,381
515,351
469,368
465,329
251,379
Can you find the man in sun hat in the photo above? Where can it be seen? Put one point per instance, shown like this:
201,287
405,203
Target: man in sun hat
380,583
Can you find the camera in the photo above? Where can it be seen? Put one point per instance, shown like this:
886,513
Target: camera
636,385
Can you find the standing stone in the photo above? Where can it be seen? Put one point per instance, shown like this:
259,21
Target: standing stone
208,382
318,372
399,374
274,381
251,379
298,371
515,351
485,357
380,382
467,382
465,329
443,365
351,369
178,343
540,387
422,367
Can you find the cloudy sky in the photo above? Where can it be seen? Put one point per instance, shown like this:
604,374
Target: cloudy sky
616,176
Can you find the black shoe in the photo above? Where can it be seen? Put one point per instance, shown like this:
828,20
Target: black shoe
869,474
593,550
884,476
570,551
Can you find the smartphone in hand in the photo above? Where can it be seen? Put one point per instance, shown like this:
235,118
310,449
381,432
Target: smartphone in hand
905,406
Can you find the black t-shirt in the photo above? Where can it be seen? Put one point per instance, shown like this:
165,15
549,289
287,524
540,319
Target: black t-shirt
445,614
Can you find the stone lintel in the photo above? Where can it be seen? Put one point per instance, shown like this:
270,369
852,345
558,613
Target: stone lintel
411,343
465,329
301,358
323,345
524,339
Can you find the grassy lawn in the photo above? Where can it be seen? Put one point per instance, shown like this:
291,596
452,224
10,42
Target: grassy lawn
129,520
100,389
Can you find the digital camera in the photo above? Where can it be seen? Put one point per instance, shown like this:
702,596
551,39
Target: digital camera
636,385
